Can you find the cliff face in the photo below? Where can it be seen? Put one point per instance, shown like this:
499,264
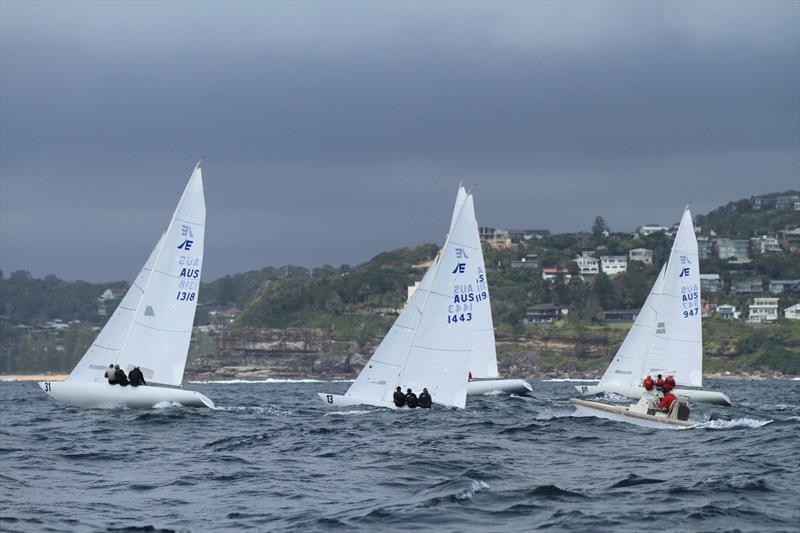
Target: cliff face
312,353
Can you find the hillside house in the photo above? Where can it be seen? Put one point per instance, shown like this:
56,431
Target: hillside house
789,240
613,264
587,264
551,274
642,255
542,314
710,282
763,310
529,261
765,244
498,239
737,250
784,286
792,312
727,312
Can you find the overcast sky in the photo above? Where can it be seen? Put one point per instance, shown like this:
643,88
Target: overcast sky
335,131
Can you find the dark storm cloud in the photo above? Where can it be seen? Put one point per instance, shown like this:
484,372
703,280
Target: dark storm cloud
335,131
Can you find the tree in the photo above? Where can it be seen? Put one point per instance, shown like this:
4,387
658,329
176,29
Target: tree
604,291
599,227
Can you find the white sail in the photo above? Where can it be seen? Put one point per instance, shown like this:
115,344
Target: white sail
677,343
107,347
483,361
430,342
152,327
461,195
626,368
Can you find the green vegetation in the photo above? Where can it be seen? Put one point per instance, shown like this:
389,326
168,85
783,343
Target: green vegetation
360,302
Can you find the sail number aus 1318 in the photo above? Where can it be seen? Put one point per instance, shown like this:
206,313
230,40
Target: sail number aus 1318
184,296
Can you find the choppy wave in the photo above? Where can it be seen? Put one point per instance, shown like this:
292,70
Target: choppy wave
274,458
569,380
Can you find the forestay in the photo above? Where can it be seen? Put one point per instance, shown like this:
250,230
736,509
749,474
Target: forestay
429,344
152,326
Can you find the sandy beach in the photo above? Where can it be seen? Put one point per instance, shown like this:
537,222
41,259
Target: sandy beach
33,377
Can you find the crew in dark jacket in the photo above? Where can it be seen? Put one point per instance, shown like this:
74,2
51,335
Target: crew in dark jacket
136,377
122,379
399,397
425,400
111,375
411,399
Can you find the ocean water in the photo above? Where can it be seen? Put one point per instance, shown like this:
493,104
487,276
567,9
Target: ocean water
272,457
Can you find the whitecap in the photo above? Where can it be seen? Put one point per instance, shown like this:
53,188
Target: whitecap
475,486
735,423
347,413
166,405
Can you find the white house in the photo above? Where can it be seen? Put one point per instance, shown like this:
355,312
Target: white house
613,264
728,312
641,254
649,229
710,282
793,312
587,264
763,310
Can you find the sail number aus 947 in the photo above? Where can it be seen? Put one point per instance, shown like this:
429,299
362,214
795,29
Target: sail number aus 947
463,317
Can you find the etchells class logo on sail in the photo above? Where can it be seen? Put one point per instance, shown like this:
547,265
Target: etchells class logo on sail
189,274
463,293
690,293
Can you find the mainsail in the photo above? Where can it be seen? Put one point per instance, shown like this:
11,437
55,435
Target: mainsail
429,344
677,343
666,337
152,326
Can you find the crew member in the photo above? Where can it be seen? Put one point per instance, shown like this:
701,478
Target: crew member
136,377
411,399
648,384
425,400
399,397
669,383
111,375
666,401
119,374
469,377
659,383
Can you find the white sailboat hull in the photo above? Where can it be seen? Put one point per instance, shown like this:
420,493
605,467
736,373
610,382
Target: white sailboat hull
621,413
339,400
94,395
694,395
509,386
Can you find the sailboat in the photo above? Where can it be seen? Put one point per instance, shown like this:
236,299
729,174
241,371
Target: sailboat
152,325
483,356
430,344
666,337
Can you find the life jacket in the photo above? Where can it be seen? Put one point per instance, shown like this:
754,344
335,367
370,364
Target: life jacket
648,383
666,401
669,381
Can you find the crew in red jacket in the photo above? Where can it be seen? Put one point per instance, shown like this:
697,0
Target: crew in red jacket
669,383
659,383
666,401
648,383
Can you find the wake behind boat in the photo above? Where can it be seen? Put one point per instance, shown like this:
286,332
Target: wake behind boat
152,327
666,338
